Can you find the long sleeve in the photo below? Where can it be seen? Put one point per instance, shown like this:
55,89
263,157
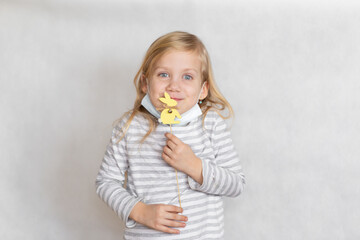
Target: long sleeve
222,176
111,177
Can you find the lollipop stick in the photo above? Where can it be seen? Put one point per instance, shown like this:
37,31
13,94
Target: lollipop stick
177,181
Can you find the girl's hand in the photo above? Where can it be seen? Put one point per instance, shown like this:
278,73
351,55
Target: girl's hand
181,157
159,216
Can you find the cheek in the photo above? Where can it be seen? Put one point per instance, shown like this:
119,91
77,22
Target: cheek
155,100
155,92
157,86
194,93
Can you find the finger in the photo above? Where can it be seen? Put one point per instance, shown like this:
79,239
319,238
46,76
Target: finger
168,151
177,217
166,158
173,208
167,229
172,223
171,145
173,138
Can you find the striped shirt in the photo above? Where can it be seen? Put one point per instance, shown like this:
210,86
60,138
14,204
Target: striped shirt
152,181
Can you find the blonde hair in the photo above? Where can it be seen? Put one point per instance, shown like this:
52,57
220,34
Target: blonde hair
182,41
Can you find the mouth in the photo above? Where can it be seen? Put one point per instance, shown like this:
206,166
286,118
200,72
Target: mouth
177,99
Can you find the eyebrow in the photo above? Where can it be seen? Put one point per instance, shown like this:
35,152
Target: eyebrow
185,70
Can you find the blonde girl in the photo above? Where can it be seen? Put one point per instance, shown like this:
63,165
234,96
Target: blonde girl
199,148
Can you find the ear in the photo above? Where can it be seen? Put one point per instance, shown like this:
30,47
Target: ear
204,91
143,83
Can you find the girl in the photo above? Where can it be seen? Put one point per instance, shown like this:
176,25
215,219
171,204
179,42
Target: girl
199,148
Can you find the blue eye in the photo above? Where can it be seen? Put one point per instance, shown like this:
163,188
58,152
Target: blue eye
164,75
187,77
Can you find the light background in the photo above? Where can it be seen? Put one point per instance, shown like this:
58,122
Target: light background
290,70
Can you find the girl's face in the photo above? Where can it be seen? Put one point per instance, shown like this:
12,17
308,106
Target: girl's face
179,74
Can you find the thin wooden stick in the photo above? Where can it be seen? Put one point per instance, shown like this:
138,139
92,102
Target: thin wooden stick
177,181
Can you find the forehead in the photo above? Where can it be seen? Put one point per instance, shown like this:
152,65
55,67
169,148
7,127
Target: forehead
179,60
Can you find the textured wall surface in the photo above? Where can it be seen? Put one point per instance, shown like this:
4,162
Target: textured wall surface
290,70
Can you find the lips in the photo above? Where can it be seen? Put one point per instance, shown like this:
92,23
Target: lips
176,98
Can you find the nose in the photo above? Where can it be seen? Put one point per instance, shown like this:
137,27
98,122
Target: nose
174,84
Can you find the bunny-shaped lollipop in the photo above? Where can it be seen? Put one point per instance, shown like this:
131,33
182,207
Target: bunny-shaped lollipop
168,116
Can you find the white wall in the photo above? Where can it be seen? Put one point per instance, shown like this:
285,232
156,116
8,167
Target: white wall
290,70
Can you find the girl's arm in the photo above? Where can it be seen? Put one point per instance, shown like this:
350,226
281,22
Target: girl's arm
220,176
110,187
111,177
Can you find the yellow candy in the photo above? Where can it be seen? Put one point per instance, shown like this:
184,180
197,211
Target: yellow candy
168,101
169,114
